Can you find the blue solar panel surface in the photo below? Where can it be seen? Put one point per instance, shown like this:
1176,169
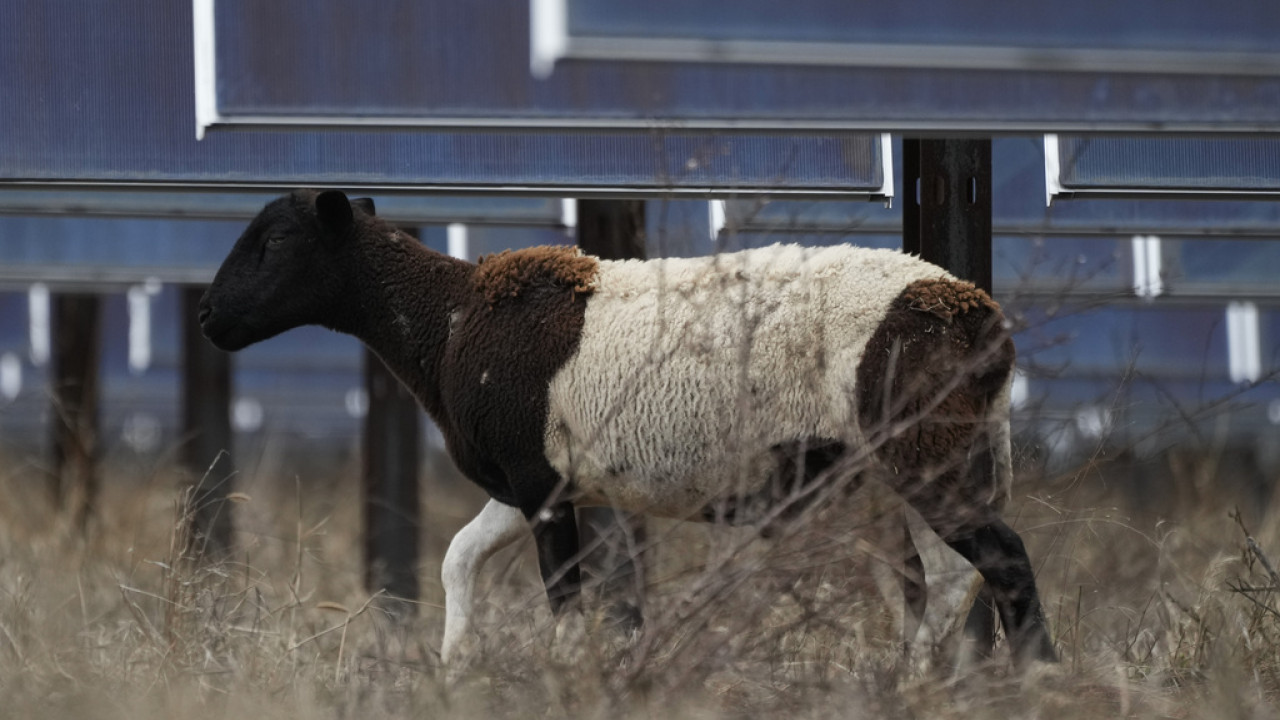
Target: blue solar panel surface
1230,25
1182,164
103,95
400,208
79,251
449,63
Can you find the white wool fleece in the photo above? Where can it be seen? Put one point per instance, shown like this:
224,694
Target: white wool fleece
690,370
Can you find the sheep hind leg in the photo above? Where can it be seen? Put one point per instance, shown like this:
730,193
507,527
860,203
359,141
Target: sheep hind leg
980,627
935,588
998,553
915,590
975,531
939,641
901,579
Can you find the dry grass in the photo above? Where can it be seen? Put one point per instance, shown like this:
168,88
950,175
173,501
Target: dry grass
1156,615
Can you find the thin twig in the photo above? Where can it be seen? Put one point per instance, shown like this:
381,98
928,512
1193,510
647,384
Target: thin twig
1266,564
342,645
342,625
1244,593
143,623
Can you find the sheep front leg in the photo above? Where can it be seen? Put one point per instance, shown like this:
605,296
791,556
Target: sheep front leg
496,527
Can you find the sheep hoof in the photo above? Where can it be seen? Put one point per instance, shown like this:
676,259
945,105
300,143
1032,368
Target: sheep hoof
454,675
457,659
1040,675
459,681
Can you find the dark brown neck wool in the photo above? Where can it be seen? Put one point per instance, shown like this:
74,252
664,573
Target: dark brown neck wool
478,345
400,306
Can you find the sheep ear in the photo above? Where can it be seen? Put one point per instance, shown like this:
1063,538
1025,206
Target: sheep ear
365,205
333,209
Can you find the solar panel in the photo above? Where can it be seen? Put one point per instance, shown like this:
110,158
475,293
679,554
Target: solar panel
1234,37
404,209
1141,66
1018,207
1181,168
924,66
100,97
109,253
1211,249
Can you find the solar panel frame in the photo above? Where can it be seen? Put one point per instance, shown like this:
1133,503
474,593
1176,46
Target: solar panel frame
1233,168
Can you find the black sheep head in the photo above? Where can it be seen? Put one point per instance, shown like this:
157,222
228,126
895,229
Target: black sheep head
286,270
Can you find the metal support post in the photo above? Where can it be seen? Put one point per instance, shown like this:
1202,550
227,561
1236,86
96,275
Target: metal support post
206,432
946,219
77,343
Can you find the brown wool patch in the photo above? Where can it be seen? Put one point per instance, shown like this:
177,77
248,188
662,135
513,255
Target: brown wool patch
926,381
509,273
946,298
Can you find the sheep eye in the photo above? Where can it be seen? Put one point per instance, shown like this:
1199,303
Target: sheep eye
275,241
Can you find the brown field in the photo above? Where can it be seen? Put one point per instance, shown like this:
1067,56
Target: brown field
1149,603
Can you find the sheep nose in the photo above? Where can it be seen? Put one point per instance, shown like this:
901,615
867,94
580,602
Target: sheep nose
204,312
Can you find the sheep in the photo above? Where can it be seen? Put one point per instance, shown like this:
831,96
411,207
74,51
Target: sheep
711,389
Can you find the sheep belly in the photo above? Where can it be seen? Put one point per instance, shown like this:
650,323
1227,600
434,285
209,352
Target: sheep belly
689,371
